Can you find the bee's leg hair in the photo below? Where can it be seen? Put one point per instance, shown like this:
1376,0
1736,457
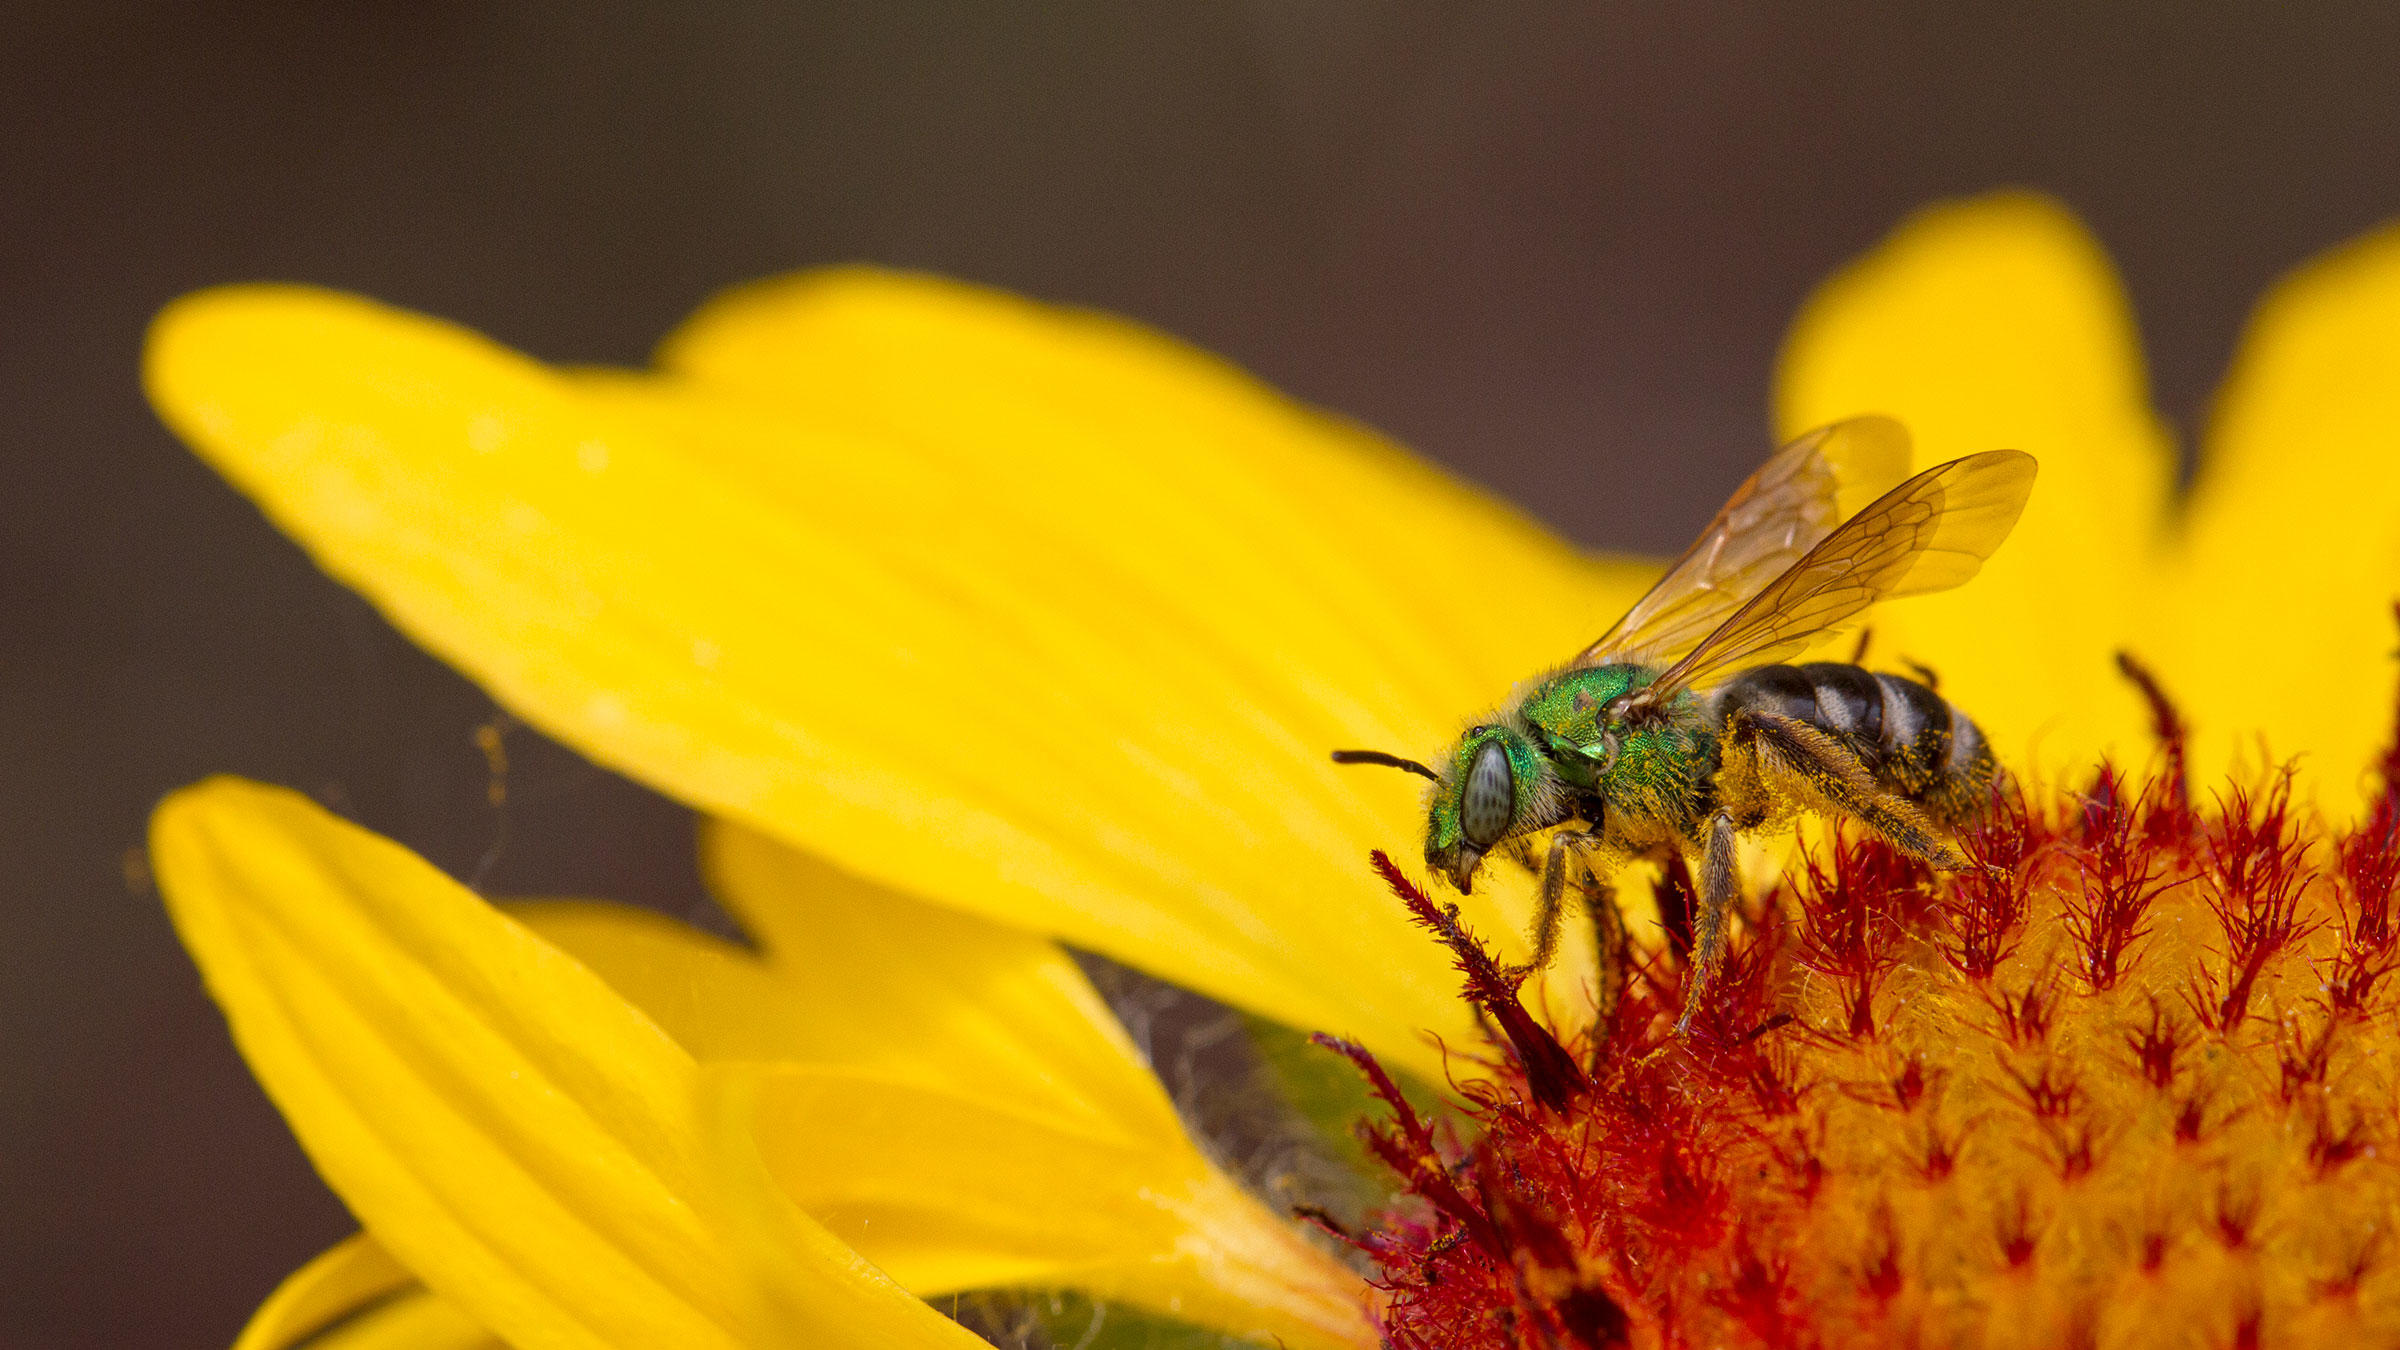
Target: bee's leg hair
1718,882
1520,851
1567,851
1799,752
1572,862
1608,949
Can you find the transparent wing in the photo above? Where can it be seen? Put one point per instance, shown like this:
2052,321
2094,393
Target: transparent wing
1928,534
1778,514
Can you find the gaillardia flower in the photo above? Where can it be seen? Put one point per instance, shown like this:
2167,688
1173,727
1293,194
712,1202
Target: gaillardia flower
976,627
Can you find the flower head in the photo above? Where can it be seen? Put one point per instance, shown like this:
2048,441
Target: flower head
977,626
2131,1085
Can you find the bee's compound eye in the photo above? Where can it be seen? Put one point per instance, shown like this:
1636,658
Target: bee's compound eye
1489,802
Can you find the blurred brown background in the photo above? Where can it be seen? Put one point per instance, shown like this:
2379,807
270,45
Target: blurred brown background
1550,244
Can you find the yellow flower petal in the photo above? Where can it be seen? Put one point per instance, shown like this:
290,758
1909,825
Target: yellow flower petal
854,974
934,1008
413,1319
344,1283
356,1297
1141,433
716,998
2293,547
961,1001
951,1191
507,1127
1992,322
1077,673
799,1269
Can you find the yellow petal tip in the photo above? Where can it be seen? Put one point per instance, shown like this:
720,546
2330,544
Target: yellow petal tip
183,817
200,333
1972,273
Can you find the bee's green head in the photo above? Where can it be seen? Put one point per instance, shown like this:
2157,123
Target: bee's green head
1496,786
1492,791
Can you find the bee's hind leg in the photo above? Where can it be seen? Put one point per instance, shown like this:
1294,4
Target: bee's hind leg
1719,883
1770,754
1569,863
1799,753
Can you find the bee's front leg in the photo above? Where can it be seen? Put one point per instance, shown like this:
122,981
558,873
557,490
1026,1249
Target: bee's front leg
1570,863
1567,849
1718,885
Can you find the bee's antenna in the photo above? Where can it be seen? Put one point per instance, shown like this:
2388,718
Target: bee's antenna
1387,761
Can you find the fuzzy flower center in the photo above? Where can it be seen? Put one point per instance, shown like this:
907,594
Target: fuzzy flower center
2131,1082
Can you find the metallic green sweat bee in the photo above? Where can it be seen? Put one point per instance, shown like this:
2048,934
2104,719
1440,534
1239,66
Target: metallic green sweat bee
1677,730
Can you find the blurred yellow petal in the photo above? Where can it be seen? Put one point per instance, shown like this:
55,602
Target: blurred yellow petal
2292,557
716,998
1130,433
355,1297
1998,322
952,1191
959,1000
798,1269
1075,673
854,974
354,1283
413,1319
504,1124
911,1022
931,1016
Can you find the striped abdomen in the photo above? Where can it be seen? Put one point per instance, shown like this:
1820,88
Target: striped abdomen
1911,739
